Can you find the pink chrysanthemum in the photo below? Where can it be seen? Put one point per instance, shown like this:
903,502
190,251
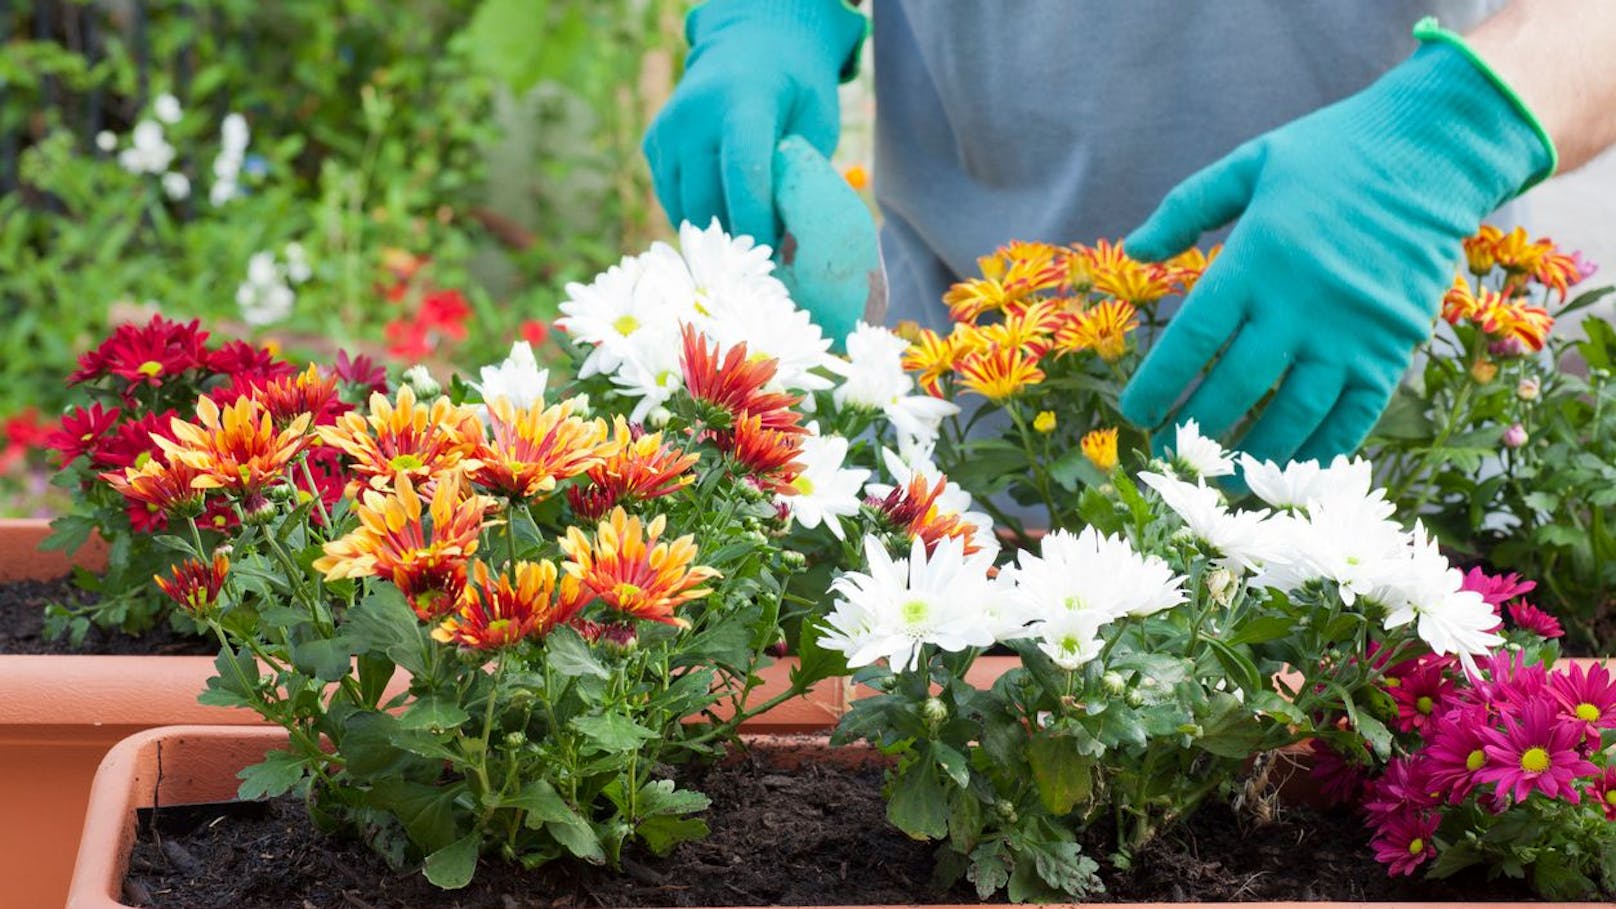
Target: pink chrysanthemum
1603,790
1536,751
1586,697
1530,618
1403,841
1405,785
1511,682
1455,751
1422,694
1340,781
1496,589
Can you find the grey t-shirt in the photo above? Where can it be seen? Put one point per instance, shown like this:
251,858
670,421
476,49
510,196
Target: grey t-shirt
1068,120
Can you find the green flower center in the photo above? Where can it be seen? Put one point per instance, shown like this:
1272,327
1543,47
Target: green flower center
914,612
150,368
1416,846
1424,704
1474,760
1535,760
406,462
626,591
1587,712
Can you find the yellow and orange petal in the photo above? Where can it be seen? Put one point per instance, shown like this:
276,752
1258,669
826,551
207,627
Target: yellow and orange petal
1516,252
735,382
309,392
498,612
161,487
1461,303
1100,447
628,567
640,465
1116,274
409,438
1186,268
913,510
999,372
769,456
536,447
930,356
193,586
1557,271
1102,328
1016,273
236,448
1030,327
1478,250
1514,320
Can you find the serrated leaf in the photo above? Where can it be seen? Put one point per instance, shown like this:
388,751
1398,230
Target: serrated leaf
434,713
988,870
663,832
453,866
566,652
815,663
660,797
274,776
326,659
918,804
612,732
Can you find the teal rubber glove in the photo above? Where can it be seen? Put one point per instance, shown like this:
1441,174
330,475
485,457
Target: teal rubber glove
758,70
1350,223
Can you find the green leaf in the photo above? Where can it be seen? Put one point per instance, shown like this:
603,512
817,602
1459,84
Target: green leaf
1455,858
1065,778
988,871
815,663
1260,629
918,804
964,820
452,866
427,812
566,652
326,659
1166,670
1073,469
1375,733
951,763
225,688
663,832
1239,668
612,732
384,623
434,713
524,42
1230,730
274,776
1064,867
660,797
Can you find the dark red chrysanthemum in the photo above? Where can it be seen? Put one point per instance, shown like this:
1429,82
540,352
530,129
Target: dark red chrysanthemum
239,359
147,354
360,374
1530,618
131,444
80,430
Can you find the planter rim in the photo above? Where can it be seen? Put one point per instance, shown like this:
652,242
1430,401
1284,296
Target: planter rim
126,782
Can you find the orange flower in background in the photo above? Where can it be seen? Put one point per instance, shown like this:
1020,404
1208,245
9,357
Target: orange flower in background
1461,302
769,456
856,177
393,542
167,488
999,372
640,465
495,612
409,439
629,568
194,586
1014,274
931,356
735,383
1100,447
236,448
1518,253
912,509
309,392
1515,321
536,447
1102,328
1557,271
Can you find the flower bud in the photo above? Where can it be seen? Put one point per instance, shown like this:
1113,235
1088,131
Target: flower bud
1220,585
1044,422
658,417
793,559
934,712
1515,436
1483,370
280,493
1005,810
514,740
1529,388
1113,684
421,382
1134,698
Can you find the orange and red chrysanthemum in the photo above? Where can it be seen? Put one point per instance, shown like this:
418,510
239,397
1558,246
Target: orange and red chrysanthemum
931,356
195,586
999,372
1513,321
1100,447
1027,326
1102,328
236,448
1016,273
498,612
163,488
407,439
912,509
536,447
630,569
736,383
1186,268
393,542
1557,271
769,456
1478,249
1116,274
1461,302
309,392
637,466
1517,252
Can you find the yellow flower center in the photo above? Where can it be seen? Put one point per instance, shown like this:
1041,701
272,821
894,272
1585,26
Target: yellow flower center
1587,712
406,462
1424,704
1474,760
1610,797
626,325
150,368
1535,760
914,611
1416,846
803,484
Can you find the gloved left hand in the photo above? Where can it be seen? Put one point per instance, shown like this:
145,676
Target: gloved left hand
1350,223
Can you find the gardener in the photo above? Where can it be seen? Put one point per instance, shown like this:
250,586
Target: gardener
1059,120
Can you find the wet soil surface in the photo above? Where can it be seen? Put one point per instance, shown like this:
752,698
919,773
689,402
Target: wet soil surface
814,836
22,626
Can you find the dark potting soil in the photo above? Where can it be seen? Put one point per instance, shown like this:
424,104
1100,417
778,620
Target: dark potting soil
22,626
814,836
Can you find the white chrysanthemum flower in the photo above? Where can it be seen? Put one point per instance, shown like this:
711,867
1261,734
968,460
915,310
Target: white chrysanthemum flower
264,304
1244,539
650,368
713,256
149,152
1343,537
166,108
176,185
1091,572
1070,638
234,134
873,377
772,327
609,313
1199,455
106,140
1448,618
297,263
1300,482
517,378
262,270
897,607
827,490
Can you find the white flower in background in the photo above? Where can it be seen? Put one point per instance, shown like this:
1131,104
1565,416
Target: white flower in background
1244,539
873,377
297,263
899,606
517,378
166,108
176,185
1095,573
148,152
1200,456
106,140
1448,618
233,133
1300,482
827,490
233,138
904,467
264,298
1070,638
650,369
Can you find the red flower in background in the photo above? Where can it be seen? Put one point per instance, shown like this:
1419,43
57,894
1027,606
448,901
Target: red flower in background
239,358
23,432
534,331
131,443
145,354
445,312
407,339
81,430
360,373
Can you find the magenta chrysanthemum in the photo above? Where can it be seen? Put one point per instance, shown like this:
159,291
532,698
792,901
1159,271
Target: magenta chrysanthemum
1403,841
1497,589
1422,694
1530,618
1586,697
1455,751
1536,751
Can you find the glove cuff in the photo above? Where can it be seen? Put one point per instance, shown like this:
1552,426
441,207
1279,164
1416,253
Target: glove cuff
832,29
1429,33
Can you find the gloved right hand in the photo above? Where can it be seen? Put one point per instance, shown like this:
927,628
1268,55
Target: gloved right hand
757,70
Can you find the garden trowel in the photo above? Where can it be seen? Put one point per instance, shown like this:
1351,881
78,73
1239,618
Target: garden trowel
828,254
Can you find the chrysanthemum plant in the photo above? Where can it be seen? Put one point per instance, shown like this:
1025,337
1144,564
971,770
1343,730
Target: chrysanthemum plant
131,387
1501,441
